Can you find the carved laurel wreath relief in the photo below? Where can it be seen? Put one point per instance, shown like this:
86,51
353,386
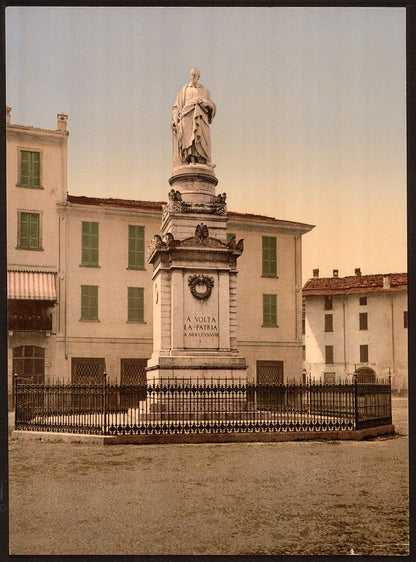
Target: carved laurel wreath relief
201,286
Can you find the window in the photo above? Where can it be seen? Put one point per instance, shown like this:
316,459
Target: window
229,236
133,376
29,231
136,247
89,244
135,304
329,378
29,169
269,310
405,319
86,370
89,302
29,363
329,324
269,256
328,302
269,374
363,321
363,353
363,301
329,354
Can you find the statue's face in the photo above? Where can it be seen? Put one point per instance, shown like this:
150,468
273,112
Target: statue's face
194,74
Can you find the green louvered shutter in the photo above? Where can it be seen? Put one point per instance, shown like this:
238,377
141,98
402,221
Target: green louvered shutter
24,167
29,231
89,244
89,302
29,168
269,268
33,231
24,231
35,169
135,304
270,310
136,247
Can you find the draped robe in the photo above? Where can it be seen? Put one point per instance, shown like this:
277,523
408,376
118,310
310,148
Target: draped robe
193,135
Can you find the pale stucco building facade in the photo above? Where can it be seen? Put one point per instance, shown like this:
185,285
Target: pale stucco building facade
356,323
91,298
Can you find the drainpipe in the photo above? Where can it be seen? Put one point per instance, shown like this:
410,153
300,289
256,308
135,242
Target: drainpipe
393,351
344,335
298,290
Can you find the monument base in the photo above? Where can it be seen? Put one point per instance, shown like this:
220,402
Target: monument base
201,367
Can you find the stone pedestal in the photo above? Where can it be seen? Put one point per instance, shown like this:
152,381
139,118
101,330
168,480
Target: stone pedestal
195,284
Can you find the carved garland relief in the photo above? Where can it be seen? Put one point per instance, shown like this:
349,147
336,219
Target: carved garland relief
201,286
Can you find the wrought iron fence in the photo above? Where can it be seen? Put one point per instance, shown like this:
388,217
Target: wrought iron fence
174,406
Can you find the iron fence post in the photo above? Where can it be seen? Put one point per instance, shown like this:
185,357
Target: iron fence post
390,413
356,399
16,377
105,402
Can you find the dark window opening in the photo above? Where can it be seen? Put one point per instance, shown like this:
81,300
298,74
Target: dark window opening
363,353
329,354
329,324
29,315
363,321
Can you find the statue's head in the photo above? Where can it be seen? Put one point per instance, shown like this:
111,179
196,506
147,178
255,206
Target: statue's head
195,74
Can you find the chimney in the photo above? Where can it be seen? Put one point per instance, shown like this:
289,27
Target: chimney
335,272
386,281
8,112
316,273
62,121
357,271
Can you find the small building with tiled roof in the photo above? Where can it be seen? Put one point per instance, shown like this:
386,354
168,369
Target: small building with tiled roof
356,323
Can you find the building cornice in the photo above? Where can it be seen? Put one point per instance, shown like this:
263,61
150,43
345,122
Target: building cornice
32,268
80,209
266,224
27,134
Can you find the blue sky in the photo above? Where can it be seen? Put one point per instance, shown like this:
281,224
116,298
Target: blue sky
310,122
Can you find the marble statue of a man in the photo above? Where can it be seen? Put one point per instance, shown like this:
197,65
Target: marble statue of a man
192,115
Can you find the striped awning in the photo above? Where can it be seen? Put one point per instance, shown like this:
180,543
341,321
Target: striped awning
31,285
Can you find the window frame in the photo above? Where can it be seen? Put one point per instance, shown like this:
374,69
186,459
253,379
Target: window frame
29,185
89,317
329,355
364,353
269,321
89,262
39,214
329,323
269,263
363,320
363,301
139,319
136,252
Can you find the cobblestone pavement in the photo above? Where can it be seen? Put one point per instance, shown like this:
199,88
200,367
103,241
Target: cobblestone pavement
329,498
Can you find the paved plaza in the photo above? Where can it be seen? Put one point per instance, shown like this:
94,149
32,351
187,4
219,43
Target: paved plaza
331,498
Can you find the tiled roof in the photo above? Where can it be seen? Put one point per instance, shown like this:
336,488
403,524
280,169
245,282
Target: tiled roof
157,206
355,284
109,202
